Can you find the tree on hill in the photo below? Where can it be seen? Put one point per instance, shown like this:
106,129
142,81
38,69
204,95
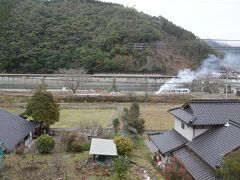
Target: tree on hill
95,35
43,108
131,117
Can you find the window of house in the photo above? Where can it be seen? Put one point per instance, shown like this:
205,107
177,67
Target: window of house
182,125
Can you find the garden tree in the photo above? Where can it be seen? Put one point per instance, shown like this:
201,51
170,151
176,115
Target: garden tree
77,140
230,167
45,144
89,128
131,117
43,108
124,145
116,124
74,78
121,166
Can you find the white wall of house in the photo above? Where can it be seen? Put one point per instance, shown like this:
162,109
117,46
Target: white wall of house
197,132
29,140
187,132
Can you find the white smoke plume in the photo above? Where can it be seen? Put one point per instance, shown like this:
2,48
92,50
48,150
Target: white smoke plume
210,64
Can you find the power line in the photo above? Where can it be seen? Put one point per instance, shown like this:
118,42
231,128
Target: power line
175,38
173,46
221,39
195,39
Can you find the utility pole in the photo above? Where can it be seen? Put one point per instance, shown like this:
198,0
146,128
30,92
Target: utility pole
226,82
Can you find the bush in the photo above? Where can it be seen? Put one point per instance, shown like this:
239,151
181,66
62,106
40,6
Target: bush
74,142
45,144
75,146
121,166
230,167
124,145
20,149
86,147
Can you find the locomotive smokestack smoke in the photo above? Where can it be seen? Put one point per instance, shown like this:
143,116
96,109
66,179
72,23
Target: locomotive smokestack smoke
231,60
210,64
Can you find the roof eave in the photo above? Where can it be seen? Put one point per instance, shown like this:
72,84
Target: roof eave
173,150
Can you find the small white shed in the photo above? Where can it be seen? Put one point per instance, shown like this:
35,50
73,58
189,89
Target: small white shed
103,148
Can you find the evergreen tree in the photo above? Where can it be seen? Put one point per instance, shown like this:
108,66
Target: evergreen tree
116,124
114,86
131,117
43,108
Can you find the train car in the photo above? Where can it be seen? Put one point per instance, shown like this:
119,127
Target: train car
174,91
87,95
179,90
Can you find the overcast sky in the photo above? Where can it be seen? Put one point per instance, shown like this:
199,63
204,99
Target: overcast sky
214,19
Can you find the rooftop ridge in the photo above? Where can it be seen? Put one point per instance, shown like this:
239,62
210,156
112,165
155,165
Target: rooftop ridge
212,100
234,123
155,133
174,108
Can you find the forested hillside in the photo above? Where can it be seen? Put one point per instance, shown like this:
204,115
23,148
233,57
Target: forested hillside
40,36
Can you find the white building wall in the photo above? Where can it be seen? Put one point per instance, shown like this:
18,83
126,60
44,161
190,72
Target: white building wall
197,132
187,132
29,140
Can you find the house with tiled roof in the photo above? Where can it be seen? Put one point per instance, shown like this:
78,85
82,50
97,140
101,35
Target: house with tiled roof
15,130
204,132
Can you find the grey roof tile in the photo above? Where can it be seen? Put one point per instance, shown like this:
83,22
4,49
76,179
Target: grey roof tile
208,112
195,166
215,143
168,141
215,112
182,114
13,129
151,146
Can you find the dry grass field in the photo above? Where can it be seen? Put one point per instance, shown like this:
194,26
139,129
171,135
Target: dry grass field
70,118
155,115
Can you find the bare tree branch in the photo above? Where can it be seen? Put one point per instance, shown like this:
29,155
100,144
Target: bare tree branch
74,78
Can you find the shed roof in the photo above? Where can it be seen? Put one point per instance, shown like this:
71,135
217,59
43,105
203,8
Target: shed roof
13,129
168,141
103,147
